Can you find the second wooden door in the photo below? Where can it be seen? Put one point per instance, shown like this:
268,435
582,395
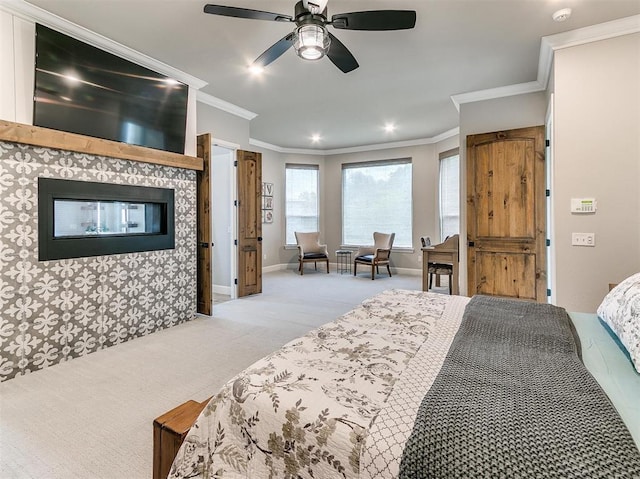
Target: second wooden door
249,223
506,214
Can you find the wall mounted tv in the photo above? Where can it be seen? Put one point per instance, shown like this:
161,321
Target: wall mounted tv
82,89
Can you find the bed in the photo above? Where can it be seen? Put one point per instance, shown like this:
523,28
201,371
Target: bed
415,384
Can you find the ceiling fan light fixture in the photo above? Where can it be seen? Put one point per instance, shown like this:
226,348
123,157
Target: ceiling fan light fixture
311,41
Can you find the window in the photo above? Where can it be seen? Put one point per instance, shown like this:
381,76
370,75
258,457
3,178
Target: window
449,193
376,196
301,200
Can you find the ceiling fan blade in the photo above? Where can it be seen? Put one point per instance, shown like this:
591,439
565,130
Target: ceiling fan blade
340,56
275,51
246,13
375,20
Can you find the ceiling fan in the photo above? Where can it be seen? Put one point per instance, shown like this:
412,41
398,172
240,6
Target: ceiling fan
311,39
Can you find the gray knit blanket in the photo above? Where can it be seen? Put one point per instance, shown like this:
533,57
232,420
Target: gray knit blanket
513,400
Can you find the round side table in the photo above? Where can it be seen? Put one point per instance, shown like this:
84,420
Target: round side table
343,261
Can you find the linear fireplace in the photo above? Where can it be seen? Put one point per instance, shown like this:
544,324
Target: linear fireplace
81,218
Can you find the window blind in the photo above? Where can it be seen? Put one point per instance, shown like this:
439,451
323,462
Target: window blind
449,193
301,200
377,196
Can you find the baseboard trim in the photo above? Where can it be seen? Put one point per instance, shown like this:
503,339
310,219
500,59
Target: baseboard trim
408,271
333,267
272,268
220,289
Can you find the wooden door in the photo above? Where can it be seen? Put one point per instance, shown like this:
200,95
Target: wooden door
205,254
249,223
506,214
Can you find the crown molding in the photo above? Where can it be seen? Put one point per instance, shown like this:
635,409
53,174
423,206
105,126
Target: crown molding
396,144
548,45
31,13
500,92
280,149
215,102
357,149
580,36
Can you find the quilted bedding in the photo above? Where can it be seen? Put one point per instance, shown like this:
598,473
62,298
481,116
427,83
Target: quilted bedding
307,409
370,394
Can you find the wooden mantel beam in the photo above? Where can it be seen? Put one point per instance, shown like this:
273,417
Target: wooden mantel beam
60,140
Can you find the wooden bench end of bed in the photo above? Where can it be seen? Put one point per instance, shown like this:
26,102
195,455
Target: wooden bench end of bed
169,431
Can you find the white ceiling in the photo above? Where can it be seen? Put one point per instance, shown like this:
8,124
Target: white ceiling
405,77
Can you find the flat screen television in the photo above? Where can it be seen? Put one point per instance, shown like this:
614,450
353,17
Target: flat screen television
82,89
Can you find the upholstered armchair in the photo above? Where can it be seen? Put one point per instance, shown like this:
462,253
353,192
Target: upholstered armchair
310,250
375,255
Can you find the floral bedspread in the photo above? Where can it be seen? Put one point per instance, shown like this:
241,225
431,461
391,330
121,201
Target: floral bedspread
307,409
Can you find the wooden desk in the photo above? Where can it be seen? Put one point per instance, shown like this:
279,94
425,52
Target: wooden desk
432,254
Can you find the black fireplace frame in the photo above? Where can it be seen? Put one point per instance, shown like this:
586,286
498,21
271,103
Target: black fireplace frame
52,248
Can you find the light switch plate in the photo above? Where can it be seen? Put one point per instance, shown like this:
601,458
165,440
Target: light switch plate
583,239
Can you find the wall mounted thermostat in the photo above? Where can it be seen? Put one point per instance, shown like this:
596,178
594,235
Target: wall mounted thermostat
583,205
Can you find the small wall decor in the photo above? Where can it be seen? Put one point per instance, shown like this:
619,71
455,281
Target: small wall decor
267,202
267,189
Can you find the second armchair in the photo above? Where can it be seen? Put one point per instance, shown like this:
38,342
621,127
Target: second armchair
375,255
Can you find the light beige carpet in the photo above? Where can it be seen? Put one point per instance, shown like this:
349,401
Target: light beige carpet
91,418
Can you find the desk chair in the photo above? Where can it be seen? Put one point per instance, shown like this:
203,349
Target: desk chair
443,269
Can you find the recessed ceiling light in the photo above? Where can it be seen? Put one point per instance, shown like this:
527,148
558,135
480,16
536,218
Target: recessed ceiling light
255,69
389,127
561,15
315,138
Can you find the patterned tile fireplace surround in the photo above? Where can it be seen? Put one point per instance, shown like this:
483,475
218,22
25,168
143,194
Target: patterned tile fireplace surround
54,311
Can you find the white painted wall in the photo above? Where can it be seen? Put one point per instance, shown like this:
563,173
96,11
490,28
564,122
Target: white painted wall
7,78
221,217
597,154
17,54
223,126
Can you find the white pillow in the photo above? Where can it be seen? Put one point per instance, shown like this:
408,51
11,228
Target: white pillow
620,309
